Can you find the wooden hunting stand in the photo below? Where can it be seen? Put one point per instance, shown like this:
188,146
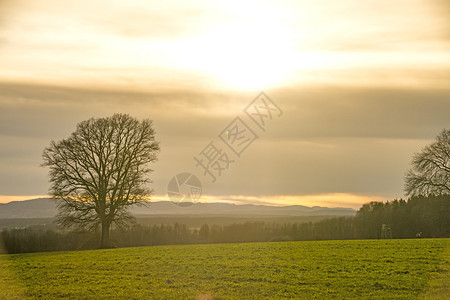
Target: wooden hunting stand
386,231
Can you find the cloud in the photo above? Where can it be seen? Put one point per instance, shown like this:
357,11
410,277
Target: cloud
215,45
442,13
309,112
345,140
52,112
371,25
130,19
361,112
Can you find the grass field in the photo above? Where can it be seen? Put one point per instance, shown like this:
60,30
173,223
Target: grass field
370,269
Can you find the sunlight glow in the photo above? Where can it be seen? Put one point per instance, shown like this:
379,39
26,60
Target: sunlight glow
324,200
229,45
241,55
6,199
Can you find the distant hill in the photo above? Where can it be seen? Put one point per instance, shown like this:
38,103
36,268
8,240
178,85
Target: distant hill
169,208
46,208
36,208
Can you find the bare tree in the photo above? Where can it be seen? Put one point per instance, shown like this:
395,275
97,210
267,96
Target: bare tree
430,172
100,171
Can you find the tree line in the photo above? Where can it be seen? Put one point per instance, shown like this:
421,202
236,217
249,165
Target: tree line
405,218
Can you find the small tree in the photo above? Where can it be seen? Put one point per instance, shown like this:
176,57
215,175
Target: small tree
430,172
100,171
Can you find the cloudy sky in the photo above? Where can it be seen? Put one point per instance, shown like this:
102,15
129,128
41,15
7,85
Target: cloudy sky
362,85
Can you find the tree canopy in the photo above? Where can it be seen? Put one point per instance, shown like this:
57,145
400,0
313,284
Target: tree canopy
100,171
430,171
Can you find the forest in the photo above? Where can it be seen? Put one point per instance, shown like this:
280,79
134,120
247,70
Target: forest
417,217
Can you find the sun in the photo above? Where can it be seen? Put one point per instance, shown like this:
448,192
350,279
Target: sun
241,53
247,56
242,49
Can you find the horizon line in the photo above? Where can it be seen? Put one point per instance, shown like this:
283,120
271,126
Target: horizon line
330,200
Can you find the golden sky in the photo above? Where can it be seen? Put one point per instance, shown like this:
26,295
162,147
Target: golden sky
226,44
362,84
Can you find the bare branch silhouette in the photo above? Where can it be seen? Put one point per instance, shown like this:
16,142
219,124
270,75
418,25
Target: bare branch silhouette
430,172
100,171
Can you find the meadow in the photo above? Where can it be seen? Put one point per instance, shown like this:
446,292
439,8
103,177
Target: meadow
362,269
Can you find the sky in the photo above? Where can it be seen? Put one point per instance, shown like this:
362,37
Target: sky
356,88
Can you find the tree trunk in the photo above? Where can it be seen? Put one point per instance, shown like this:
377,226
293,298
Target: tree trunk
105,234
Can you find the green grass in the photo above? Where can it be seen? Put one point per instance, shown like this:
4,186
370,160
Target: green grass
371,269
